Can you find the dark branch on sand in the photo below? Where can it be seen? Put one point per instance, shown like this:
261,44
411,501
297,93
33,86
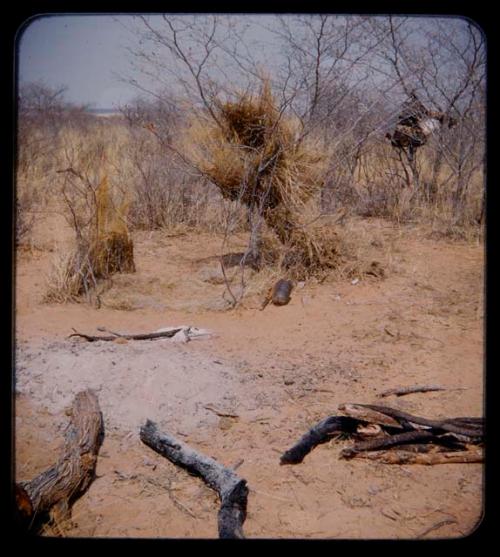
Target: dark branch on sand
232,489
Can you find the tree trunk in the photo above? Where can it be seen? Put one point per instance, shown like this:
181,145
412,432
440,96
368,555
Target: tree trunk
55,489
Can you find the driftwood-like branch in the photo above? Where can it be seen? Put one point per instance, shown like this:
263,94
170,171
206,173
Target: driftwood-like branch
410,390
232,489
140,336
397,456
392,428
320,433
387,441
472,428
55,489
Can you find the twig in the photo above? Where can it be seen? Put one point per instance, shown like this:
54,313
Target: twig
179,505
238,464
436,526
409,390
219,412
397,456
140,336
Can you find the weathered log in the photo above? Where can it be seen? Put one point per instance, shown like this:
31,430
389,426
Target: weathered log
396,456
232,489
54,490
320,433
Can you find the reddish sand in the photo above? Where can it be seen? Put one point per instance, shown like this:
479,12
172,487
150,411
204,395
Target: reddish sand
279,371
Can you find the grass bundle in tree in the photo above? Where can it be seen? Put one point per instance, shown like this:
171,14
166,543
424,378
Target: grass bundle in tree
254,155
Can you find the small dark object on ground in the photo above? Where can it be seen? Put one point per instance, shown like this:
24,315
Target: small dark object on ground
279,294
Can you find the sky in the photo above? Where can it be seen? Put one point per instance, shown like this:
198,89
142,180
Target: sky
80,52
87,54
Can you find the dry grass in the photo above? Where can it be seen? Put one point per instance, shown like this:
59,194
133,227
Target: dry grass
252,160
103,247
254,155
377,187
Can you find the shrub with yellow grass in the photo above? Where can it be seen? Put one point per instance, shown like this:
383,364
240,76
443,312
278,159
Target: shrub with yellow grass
103,247
255,155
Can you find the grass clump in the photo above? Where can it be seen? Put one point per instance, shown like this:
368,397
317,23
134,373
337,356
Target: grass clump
255,155
103,248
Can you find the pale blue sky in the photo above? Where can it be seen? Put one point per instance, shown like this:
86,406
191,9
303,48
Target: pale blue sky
81,52
87,53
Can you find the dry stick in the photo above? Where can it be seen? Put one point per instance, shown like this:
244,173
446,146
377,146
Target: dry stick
232,489
408,390
57,487
469,427
141,336
407,457
436,526
398,439
320,433
220,412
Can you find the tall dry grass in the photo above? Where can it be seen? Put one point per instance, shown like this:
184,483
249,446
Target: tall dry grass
103,245
253,156
374,184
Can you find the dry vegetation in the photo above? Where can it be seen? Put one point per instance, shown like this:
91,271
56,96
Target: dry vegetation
255,156
110,177
191,204
283,161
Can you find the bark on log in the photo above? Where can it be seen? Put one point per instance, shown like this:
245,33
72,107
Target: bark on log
232,489
320,433
54,490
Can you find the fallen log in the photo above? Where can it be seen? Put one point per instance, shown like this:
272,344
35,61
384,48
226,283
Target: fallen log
320,433
53,491
388,441
232,490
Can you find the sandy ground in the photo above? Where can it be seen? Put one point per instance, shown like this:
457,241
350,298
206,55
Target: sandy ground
277,371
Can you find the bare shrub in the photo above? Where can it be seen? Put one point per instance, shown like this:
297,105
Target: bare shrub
24,217
164,193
